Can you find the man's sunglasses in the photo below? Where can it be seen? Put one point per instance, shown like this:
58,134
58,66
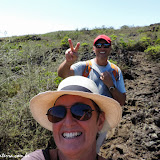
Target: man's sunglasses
79,111
105,45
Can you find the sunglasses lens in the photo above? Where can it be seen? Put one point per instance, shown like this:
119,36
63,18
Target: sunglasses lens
56,114
98,45
81,111
106,45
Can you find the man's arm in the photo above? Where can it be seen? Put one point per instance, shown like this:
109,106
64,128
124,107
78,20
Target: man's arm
71,56
65,70
117,95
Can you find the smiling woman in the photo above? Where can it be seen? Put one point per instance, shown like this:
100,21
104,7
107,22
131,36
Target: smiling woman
77,115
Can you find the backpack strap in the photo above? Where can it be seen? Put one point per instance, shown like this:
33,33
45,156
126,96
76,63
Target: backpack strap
115,71
46,154
87,68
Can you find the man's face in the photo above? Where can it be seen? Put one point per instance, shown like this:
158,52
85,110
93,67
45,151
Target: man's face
73,136
102,53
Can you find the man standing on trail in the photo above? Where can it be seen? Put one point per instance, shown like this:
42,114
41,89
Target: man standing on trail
105,74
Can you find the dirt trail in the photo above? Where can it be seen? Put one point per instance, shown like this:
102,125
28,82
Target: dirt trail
138,135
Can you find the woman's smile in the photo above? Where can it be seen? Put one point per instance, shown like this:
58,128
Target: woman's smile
71,135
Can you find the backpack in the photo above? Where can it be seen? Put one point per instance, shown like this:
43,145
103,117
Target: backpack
89,67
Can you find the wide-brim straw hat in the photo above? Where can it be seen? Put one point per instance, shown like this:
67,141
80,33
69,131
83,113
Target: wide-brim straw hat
81,86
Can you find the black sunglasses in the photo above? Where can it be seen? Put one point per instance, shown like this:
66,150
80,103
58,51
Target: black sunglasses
105,45
79,111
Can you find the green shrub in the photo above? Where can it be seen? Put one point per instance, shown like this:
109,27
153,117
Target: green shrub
142,44
122,44
39,46
131,45
153,52
145,41
140,30
57,79
113,37
125,27
157,41
64,42
84,47
112,61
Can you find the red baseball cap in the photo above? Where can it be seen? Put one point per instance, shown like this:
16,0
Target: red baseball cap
106,38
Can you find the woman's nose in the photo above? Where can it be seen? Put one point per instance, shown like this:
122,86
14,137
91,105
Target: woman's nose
69,119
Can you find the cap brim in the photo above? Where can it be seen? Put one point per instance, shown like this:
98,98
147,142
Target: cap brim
40,104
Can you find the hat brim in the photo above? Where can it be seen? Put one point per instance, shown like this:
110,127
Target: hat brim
40,104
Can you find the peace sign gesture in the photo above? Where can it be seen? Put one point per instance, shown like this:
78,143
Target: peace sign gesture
72,53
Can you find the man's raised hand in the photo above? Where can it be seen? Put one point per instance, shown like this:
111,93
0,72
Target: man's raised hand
72,53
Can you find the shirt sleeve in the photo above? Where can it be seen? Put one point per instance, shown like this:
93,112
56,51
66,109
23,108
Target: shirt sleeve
79,68
120,83
36,155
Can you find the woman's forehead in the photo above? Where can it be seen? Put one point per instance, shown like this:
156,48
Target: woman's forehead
72,98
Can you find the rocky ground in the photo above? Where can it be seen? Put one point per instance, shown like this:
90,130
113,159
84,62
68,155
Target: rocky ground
138,135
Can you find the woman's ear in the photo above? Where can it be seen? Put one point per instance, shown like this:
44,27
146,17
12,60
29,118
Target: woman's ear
101,120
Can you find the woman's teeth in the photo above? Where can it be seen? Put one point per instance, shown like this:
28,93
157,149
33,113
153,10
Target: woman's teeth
71,135
102,52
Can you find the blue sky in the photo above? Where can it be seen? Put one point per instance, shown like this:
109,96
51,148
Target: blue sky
22,17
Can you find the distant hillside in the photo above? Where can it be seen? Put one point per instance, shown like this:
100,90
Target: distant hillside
28,65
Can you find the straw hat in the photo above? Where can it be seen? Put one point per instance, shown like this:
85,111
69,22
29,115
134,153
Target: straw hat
81,86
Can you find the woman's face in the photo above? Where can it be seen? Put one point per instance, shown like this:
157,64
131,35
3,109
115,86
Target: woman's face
73,136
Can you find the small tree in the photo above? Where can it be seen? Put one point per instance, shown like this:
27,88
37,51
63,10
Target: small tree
64,42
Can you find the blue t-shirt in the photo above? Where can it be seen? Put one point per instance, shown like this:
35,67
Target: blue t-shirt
95,76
